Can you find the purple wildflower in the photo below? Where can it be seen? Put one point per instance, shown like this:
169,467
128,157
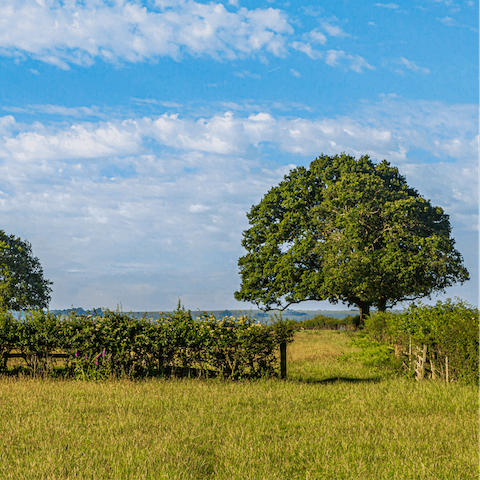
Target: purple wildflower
76,354
96,362
103,353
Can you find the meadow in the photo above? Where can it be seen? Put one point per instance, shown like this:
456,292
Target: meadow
334,418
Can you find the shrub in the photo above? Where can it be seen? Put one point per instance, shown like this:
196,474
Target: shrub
8,336
449,330
117,344
326,322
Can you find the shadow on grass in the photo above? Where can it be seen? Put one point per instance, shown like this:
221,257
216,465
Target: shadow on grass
330,380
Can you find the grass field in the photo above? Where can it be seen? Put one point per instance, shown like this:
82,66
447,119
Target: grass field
330,420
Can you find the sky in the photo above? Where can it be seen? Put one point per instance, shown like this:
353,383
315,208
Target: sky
135,135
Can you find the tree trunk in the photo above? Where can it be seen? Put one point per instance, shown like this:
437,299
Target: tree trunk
364,308
382,305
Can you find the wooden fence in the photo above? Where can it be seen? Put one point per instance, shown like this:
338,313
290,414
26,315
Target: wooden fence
33,360
422,363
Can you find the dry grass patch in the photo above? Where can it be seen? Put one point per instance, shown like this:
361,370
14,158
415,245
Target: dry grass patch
317,346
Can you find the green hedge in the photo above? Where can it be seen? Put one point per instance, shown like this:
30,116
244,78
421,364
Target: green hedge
116,344
449,330
325,322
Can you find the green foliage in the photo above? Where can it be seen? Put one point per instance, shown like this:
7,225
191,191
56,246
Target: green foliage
373,353
118,345
346,230
329,323
38,338
448,329
22,285
8,336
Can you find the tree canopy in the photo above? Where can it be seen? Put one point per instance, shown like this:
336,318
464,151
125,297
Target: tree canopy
346,230
22,284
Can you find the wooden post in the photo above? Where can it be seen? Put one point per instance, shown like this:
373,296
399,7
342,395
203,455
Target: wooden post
432,368
410,365
446,369
283,360
420,368
424,360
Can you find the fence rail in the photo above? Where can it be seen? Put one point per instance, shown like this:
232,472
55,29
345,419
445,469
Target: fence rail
168,370
422,363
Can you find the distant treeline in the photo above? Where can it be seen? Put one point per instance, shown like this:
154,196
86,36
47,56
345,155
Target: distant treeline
325,322
297,315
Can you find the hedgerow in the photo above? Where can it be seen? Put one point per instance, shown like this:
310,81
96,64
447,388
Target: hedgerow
325,322
443,339
115,344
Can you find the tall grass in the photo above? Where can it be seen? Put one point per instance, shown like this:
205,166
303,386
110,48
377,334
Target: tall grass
330,420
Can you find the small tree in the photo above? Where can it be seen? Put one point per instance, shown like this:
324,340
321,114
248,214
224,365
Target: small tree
21,276
346,230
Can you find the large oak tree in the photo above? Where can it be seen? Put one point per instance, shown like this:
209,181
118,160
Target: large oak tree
346,230
22,284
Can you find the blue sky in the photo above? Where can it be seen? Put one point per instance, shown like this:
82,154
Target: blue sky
135,135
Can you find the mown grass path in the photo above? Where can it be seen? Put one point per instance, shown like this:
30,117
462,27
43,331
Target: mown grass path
330,420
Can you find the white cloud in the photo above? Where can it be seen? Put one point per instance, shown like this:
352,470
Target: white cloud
356,62
152,101
84,140
247,73
295,73
392,6
78,33
8,124
170,193
399,125
198,208
317,37
449,21
307,49
56,110
334,58
334,30
452,22
413,66
221,134
447,3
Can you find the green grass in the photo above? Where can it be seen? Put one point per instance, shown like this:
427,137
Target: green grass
331,420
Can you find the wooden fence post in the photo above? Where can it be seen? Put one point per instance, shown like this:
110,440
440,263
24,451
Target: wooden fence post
433,369
446,370
283,360
420,367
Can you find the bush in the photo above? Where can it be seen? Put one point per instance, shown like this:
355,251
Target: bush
325,322
8,336
448,330
117,344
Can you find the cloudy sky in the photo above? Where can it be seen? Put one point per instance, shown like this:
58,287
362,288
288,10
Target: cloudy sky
136,134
